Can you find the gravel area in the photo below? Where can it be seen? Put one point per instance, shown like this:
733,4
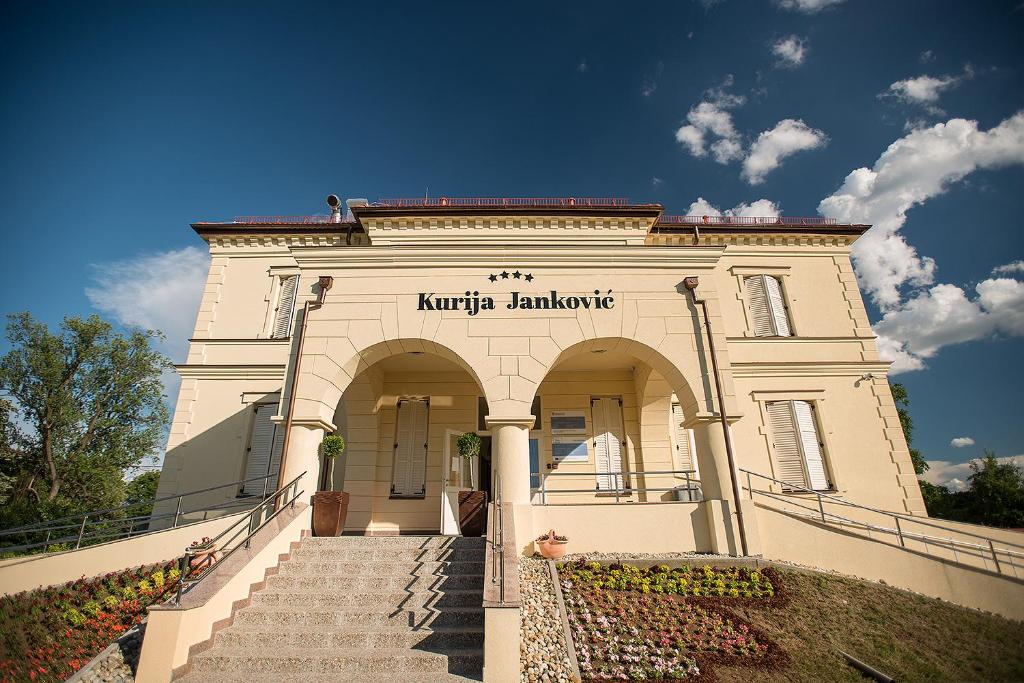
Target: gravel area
543,651
118,666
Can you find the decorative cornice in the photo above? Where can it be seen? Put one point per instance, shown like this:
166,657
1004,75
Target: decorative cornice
809,369
526,421
231,371
768,239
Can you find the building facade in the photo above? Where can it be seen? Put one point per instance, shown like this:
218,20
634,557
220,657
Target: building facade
563,332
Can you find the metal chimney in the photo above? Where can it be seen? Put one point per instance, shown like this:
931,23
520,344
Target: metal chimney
335,204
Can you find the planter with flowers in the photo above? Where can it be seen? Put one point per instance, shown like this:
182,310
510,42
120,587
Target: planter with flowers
552,546
202,554
330,507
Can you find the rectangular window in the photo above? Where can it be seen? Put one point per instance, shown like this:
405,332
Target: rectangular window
609,439
767,306
285,309
410,463
264,457
798,449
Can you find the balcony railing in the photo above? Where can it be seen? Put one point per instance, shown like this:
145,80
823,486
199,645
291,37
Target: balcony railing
503,202
616,486
292,220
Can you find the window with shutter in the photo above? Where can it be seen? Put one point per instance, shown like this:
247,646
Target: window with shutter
410,463
767,306
608,439
797,447
265,445
285,306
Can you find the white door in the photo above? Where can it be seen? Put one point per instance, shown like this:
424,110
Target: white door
410,464
459,475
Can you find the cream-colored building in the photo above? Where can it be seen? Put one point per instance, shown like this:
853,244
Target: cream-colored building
562,332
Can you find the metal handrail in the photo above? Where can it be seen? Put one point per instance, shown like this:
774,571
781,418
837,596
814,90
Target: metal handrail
270,503
82,520
692,483
498,541
988,548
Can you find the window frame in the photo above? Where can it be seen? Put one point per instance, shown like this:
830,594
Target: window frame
822,422
780,273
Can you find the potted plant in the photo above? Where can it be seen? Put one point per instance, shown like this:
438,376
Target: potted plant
552,546
202,554
330,507
472,504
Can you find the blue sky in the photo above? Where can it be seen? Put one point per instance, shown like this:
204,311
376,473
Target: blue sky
123,122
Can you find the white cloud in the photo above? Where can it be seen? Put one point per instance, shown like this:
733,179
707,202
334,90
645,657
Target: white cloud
582,66
961,442
807,6
759,208
710,128
925,90
944,315
791,51
788,137
158,291
1009,268
926,57
915,168
656,181
955,474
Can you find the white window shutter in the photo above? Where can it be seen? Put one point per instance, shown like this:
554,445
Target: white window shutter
757,302
684,454
804,418
264,451
777,306
788,455
410,449
285,306
608,436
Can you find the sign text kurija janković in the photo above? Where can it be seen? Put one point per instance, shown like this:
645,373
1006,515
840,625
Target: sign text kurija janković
473,303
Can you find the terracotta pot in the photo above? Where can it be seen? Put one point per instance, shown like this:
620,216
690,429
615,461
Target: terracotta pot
472,512
330,508
203,558
552,550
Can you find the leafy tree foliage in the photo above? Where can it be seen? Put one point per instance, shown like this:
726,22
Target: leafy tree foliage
899,395
140,492
78,408
995,495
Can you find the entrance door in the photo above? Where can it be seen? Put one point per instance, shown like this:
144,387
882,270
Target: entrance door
459,475
609,439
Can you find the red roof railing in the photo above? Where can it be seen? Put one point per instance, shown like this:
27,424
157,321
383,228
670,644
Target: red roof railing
291,220
794,221
502,201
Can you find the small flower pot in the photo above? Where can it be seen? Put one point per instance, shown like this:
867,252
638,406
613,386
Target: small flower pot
330,508
202,558
552,549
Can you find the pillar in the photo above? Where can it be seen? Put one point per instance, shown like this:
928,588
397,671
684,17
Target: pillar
304,456
719,505
510,439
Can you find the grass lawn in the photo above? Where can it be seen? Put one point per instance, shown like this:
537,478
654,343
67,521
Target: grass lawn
908,637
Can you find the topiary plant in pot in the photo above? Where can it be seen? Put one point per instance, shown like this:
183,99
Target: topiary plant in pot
330,507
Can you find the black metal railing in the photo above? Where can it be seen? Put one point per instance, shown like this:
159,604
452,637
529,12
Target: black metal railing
238,535
116,523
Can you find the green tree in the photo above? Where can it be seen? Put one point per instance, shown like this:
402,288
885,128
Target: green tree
902,400
82,405
140,492
996,493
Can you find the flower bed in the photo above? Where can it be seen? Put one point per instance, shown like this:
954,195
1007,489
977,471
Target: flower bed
657,623
50,633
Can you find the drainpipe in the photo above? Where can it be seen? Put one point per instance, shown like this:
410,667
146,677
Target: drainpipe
325,282
691,284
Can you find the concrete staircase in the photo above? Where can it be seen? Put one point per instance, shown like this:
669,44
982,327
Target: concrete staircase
359,608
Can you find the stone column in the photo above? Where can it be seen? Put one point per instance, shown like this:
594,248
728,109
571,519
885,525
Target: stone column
304,456
510,439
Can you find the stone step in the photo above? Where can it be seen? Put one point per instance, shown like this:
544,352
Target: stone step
254,677
375,601
394,542
302,661
373,584
297,566
385,555
433,640
383,618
